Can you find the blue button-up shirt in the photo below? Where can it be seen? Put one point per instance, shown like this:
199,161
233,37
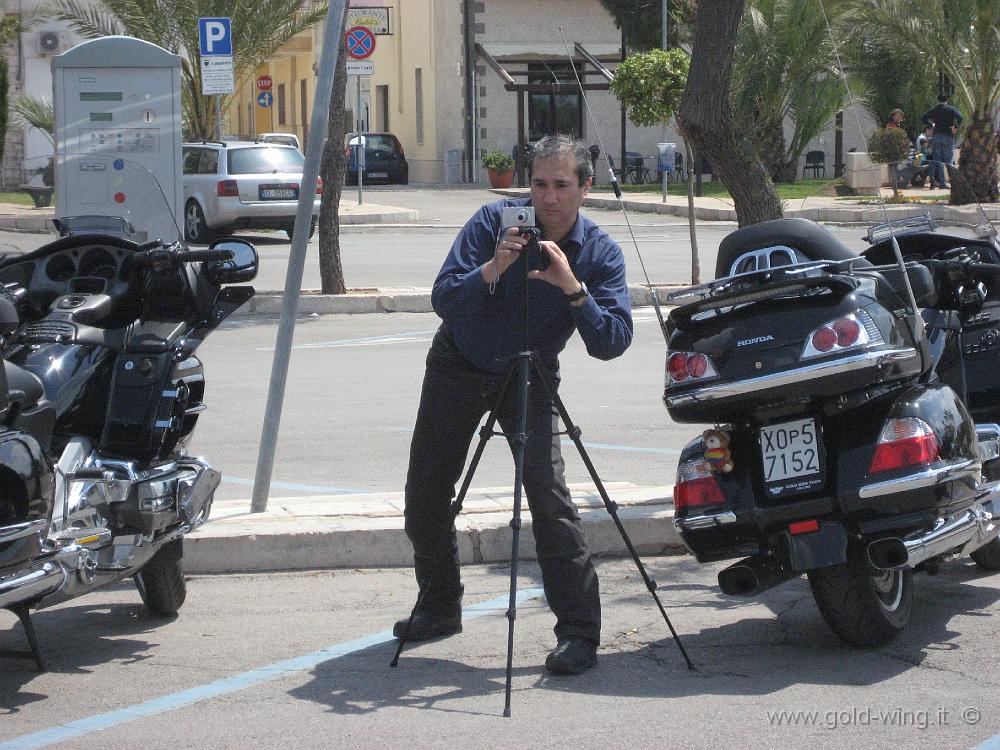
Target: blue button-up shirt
487,326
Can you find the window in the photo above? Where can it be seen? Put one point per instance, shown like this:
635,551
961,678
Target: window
281,104
418,89
382,107
264,160
552,113
191,158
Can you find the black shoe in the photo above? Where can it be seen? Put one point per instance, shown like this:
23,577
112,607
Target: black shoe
572,656
428,624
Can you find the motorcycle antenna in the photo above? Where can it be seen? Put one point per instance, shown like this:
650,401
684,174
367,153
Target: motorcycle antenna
653,296
914,315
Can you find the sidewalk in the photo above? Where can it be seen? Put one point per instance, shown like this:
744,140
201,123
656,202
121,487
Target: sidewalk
366,530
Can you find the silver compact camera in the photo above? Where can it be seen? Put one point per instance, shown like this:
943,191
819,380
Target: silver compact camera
517,216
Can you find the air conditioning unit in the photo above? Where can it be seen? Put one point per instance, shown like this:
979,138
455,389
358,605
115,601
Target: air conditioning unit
49,42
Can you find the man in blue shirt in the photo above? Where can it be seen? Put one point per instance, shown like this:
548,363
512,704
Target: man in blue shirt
945,120
478,295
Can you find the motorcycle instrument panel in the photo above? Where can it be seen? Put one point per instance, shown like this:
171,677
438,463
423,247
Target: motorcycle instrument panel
792,457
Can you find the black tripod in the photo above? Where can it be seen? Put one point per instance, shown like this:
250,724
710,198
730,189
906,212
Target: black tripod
524,364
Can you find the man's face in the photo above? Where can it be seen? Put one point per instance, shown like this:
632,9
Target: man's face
556,193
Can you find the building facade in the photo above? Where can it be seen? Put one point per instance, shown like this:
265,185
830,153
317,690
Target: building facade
433,85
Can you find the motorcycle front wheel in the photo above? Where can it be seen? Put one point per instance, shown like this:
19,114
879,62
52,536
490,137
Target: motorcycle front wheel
863,605
161,580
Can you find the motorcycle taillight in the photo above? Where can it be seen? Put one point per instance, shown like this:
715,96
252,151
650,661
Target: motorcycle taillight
904,442
684,366
696,486
847,332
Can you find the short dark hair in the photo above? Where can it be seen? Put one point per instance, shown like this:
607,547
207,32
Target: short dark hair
554,146
942,98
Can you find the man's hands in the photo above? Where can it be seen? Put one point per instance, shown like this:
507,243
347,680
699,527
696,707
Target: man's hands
509,249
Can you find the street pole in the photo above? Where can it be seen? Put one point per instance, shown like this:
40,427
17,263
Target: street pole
218,118
361,148
332,44
664,28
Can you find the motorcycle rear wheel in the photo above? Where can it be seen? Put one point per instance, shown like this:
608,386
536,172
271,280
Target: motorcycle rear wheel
987,557
161,580
862,605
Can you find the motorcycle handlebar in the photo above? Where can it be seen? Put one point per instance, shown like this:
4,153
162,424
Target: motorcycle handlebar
173,255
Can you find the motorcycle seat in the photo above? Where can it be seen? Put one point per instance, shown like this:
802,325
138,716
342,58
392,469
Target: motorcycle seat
23,386
807,237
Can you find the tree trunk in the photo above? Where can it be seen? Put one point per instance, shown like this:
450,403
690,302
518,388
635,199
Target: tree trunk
770,144
705,115
695,264
332,168
977,165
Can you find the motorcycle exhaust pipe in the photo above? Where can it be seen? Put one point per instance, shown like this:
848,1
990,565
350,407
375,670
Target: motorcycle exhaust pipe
972,526
887,554
752,576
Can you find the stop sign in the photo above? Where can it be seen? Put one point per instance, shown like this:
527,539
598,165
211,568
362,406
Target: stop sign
264,83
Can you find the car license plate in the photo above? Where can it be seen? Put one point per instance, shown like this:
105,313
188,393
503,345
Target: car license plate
279,193
791,451
378,175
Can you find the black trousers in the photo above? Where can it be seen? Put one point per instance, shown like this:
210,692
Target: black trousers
454,398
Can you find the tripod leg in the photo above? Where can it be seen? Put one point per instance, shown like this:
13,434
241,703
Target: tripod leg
574,433
485,433
519,440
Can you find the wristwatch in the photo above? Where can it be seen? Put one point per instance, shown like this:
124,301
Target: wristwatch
583,292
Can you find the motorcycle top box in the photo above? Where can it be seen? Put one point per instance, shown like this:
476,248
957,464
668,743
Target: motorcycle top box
787,336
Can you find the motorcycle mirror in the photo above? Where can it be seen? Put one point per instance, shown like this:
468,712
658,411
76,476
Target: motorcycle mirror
241,267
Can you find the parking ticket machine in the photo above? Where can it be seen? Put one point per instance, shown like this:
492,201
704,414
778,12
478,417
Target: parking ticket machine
117,104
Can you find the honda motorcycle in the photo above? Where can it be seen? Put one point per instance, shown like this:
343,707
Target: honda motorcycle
853,401
100,391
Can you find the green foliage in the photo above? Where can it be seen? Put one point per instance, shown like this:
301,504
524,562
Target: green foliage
784,69
260,27
37,113
498,161
889,145
887,73
640,20
650,84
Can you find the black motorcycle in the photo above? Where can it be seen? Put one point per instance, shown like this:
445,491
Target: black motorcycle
100,391
844,392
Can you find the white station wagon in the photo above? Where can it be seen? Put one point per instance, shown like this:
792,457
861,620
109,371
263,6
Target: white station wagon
242,185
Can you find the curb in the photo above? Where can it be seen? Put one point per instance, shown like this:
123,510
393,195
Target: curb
272,544
388,301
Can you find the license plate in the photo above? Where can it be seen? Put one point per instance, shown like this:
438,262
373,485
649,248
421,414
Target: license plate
279,193
378,175
791,450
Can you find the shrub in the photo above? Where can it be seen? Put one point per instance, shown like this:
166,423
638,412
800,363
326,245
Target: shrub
889,145
498,161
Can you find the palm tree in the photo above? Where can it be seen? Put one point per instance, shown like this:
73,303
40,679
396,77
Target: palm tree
783,70
260,27
36,112
962,38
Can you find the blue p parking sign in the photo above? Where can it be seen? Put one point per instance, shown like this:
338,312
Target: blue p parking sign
215,36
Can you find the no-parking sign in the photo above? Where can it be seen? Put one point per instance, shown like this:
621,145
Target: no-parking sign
359,42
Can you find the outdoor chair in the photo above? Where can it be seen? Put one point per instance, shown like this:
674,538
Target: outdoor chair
636,170
815,162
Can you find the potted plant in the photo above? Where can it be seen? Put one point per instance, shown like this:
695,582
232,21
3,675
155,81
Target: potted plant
890,146
500,167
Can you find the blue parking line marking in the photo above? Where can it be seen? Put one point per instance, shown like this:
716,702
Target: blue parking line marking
81,727
301,487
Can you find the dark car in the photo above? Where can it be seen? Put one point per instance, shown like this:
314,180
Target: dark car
384,159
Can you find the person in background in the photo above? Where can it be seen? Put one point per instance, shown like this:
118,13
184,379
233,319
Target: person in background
945,119
924,149
896,118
